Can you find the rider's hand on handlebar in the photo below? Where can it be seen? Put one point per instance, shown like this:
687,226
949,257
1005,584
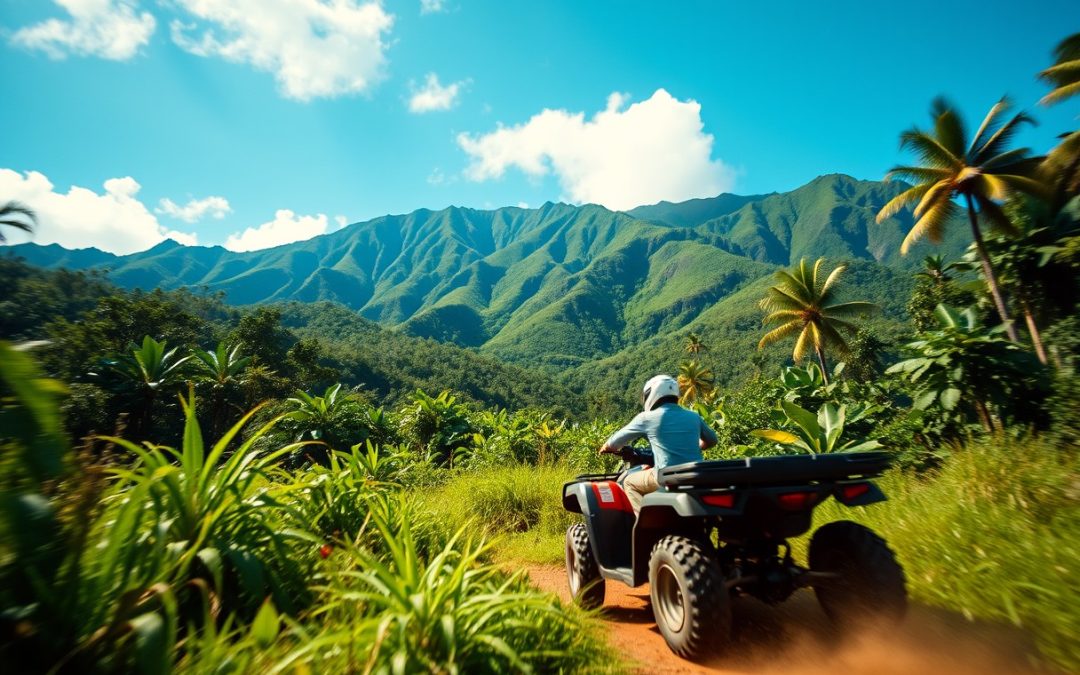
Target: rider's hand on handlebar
605,449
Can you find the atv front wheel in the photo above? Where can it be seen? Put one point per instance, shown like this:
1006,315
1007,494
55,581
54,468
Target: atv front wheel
689,599
866,582
586,584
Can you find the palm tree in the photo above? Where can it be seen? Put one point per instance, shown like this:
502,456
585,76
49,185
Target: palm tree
14,214
224,371
802,304
695,381
936,270
1064,75
983,172
1062,165
694,345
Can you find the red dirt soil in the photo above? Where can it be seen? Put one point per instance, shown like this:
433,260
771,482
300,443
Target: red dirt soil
795,638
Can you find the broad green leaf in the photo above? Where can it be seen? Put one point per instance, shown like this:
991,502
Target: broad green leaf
153,644
925,399
806,420
949,398
266,625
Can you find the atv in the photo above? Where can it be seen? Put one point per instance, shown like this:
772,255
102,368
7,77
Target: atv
718,529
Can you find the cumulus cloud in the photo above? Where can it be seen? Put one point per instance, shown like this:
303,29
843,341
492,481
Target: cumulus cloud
432,6
434,96
114,220
195,209
653,150
110,29
285,228
314,48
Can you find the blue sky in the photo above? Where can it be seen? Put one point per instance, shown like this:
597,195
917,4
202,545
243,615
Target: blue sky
290,116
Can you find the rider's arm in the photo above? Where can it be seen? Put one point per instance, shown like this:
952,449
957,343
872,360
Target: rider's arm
708,436
628,434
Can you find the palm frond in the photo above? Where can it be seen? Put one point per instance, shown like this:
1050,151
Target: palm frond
948,127
931,224
778,299
1024,184
773,317
777,334
1061,93
917,174
940,190
827,287
988,124
929,149
902,200
806,338
1000,139
1009,158
793,286
851,309
995,216
813,282
831,337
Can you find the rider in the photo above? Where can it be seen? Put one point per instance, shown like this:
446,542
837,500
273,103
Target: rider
677,435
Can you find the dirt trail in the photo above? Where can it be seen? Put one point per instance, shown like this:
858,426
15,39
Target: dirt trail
795,638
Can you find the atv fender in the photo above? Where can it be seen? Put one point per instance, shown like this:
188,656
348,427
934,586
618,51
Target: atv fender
609,518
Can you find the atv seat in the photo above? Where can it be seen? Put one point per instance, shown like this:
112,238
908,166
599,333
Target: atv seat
773,470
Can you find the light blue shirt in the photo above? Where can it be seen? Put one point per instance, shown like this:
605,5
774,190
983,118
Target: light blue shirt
673,432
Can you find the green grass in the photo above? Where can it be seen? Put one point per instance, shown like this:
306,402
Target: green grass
994,535
518,508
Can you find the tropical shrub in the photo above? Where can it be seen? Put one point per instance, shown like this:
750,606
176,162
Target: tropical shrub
963,372
816,434
439,426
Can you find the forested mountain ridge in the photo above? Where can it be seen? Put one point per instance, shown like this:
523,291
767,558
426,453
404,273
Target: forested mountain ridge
554,286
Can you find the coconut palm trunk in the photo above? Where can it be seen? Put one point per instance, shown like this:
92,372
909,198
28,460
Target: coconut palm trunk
1033,329
988,272
821,362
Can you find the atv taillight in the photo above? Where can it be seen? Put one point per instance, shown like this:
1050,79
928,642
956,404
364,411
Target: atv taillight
851,492
796,501
725,500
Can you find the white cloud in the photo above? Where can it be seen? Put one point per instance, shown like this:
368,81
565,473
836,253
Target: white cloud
195,209
341,221
432,6
523,205
114,220
285,228
111,29
434,96
314,48
654,150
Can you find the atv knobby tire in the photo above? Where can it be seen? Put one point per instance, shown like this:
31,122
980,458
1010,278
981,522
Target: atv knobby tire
868,582
582,572
689,598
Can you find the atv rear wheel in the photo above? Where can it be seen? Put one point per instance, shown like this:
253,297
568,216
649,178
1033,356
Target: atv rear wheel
868,582
689,599
586,584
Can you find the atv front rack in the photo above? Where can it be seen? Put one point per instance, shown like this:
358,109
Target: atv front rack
784,469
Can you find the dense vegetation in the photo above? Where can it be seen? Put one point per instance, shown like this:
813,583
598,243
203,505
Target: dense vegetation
187,485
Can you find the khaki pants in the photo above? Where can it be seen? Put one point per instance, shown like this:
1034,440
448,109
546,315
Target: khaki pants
639,484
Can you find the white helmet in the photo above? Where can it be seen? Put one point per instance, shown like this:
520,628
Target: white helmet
657,388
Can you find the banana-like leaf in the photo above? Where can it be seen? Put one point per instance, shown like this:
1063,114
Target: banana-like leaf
776,435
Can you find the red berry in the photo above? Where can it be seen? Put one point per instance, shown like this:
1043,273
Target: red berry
324,550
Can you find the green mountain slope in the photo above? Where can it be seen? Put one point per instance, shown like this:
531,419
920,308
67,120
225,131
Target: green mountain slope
555,286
